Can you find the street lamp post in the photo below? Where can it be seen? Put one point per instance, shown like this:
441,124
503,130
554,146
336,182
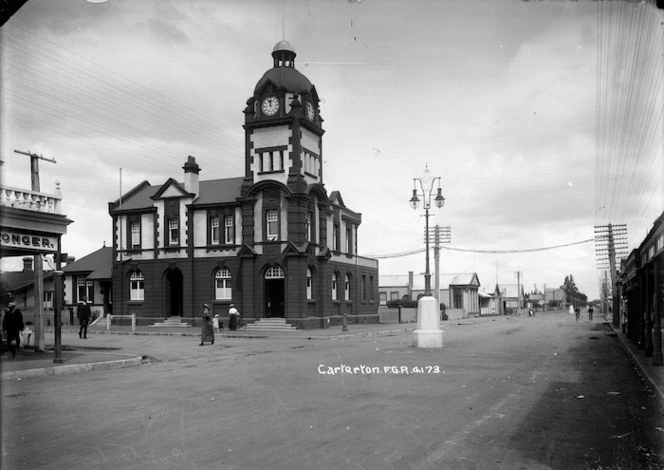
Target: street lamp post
427,183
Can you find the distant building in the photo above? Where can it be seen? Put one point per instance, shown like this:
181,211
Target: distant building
20,285
90,276
458,291
274,242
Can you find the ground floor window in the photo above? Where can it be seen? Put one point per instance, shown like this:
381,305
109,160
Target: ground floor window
309,284
85,289
334,286
222,284
383,298
136,286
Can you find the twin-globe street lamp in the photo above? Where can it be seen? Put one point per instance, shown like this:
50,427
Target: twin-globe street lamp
427,183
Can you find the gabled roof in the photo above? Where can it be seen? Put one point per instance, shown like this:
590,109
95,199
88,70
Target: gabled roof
98,262
137,198
218,191
15,280
393,280
173,185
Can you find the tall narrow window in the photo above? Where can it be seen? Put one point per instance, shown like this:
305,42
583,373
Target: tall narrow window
335,237
136,286
349,246
135,234
371,288
309,284
271,161
214,230
308,227
81,290
222,284
334,287
173,232
229,230
281,159
364,287
347,287
272,222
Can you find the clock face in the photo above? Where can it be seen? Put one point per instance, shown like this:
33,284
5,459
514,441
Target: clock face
270,106
310,111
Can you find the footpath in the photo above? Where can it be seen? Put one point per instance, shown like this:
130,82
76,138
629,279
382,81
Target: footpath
77,357
81,358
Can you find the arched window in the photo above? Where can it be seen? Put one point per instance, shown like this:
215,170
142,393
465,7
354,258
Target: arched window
334,287
309,284
136,286
274,272
222,284
347,287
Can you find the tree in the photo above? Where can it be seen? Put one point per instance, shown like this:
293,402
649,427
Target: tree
570,289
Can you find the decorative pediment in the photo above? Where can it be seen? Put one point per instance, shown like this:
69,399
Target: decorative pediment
247,252
325,253
298,249
335,198
171,188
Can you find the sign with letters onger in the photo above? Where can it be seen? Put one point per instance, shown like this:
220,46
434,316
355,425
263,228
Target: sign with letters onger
27,241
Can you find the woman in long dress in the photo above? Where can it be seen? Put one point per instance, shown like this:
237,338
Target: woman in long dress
207,332
233,317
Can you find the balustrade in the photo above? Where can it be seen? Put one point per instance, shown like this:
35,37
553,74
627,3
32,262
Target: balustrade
31,200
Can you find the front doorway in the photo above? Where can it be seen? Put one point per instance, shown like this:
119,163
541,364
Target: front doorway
173,298
274,292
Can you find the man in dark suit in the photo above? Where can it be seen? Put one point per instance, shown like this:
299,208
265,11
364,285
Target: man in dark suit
12,325
84,315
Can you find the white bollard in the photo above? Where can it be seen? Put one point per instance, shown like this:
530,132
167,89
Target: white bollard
428,333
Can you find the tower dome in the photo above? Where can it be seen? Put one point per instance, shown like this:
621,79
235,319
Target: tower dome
283,73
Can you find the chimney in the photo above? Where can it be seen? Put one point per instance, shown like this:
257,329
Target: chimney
27,264
191,170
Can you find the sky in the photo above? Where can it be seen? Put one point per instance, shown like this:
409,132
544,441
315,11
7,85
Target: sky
542,119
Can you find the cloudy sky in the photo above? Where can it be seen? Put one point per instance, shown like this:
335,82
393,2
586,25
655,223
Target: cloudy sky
497,97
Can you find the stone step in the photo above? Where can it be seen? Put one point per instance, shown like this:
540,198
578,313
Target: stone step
172,322
270,324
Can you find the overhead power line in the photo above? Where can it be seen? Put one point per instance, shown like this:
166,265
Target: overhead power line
470,250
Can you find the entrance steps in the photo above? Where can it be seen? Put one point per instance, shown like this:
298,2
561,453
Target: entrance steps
270,324
171,322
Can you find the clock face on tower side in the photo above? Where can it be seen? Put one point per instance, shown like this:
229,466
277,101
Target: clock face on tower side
270,106
310,111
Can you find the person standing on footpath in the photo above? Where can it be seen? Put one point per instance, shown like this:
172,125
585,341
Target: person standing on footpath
207,332
234,315
12,326
84,315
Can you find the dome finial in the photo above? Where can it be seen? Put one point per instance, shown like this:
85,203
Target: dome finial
283,54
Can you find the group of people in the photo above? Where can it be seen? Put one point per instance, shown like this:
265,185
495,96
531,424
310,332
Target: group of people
577,313
212,325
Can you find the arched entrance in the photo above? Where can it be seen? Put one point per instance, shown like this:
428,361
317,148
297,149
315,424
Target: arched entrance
274,291
173,288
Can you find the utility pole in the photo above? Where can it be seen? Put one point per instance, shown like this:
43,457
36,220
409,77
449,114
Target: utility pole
438,235
610,247
518,291
38,262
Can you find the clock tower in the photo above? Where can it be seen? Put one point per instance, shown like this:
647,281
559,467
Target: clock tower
283,127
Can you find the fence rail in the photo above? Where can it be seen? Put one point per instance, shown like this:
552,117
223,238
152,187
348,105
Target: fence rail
109,319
